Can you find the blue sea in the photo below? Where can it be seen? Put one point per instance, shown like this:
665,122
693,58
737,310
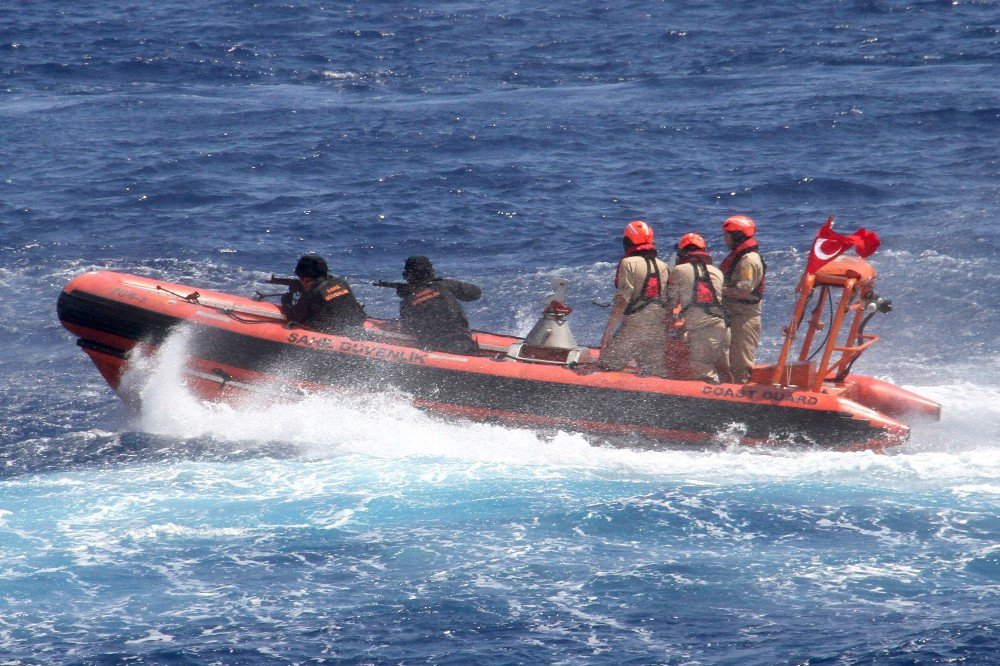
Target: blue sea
211,142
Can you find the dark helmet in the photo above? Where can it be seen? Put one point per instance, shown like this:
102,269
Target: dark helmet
417,269
311,266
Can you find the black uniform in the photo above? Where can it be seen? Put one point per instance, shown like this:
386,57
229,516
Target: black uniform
328,306
430,311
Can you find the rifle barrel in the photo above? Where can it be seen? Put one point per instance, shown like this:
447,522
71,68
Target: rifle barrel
288,282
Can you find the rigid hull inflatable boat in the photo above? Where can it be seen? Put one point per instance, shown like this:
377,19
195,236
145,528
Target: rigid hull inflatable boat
239,345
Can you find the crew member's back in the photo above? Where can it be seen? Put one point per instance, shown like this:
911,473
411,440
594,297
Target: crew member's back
694,290
430,310
635,329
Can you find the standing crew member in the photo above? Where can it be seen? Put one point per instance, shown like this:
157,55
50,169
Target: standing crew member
636,327
744,271
696,286
321,301
430,310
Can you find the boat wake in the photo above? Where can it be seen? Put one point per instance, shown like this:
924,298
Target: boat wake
970,419
385,430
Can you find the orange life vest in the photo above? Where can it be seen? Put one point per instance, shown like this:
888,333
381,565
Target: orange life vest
703,294
651,285
729,264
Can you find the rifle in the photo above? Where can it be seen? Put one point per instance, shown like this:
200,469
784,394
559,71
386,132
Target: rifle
293,284
392,285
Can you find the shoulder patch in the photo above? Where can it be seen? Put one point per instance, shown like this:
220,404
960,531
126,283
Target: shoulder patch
334,291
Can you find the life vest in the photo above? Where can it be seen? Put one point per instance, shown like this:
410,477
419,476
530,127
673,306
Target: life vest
729,264
651,286
703,294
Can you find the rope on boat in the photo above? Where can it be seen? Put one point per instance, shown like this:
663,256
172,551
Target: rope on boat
194,297
190,298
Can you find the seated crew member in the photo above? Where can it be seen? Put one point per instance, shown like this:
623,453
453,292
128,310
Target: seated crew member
325,302
744,271
430,310
696,286
636,326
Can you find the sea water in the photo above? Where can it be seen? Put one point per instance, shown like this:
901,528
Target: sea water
212,143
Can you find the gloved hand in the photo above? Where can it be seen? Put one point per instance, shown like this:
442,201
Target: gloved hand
286,299
403,290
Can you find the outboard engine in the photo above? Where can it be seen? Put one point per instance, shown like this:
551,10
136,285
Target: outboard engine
552,330
551,340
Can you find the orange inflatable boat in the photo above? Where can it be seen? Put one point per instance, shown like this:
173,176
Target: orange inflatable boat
239,345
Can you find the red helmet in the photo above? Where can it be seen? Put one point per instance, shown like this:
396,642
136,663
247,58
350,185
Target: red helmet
638,232
691,240
740,223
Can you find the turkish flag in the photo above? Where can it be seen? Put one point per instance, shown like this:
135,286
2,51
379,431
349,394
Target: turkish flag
829,245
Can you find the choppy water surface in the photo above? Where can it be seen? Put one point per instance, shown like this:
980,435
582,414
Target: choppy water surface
211,143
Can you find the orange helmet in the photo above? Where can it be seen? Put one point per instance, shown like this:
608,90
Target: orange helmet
638,232
691,240
740,223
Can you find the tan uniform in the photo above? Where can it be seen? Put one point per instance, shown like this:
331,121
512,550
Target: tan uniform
642,335
707,335
744,318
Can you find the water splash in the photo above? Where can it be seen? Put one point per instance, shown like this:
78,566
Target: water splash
386,430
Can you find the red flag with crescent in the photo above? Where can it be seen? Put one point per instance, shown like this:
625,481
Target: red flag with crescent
829,245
